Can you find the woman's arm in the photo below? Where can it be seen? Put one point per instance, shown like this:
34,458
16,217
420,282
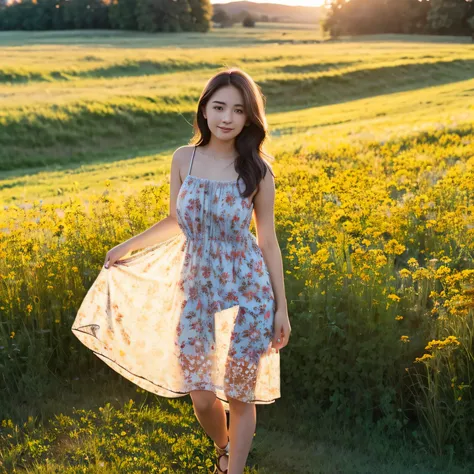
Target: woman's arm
264,204
167,227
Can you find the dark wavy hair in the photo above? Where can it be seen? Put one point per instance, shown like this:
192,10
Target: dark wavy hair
250,164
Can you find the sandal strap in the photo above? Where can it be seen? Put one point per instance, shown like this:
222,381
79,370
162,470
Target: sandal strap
221,453
224,450
219,463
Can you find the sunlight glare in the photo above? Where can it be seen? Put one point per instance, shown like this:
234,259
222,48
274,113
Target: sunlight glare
302,3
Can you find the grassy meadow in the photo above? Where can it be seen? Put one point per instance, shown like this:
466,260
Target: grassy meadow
373,139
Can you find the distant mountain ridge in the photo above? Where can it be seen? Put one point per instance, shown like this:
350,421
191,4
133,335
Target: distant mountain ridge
285,13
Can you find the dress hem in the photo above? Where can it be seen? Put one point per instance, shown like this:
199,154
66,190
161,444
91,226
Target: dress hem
107,359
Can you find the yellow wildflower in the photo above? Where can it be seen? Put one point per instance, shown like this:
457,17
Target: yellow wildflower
404,273
392,247
442,271
436,344
424,357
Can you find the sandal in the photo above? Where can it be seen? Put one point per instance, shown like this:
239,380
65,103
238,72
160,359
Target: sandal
221,452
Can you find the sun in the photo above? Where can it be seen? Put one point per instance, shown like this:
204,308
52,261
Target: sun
303,3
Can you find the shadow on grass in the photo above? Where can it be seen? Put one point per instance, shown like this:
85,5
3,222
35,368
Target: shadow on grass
339,88
105,424
89,132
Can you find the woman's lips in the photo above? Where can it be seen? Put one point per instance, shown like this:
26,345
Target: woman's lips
225,129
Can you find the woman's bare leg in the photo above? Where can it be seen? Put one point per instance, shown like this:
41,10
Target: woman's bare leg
211,415
243,420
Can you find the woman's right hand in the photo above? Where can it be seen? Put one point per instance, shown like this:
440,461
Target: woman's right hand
115,254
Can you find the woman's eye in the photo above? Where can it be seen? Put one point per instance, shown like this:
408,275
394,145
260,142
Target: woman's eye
218,107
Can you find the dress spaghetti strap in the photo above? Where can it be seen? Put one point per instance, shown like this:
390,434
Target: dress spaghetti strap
192,159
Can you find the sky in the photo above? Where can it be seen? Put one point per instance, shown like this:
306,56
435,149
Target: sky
305,3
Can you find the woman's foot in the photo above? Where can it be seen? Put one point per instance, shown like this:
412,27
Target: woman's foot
223,463
222,459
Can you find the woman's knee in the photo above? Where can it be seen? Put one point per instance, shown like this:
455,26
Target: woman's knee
202,399
239,406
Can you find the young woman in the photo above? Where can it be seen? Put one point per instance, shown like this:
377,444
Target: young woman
201,310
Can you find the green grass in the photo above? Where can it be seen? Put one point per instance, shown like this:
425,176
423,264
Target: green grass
77,103
110,426
236,36
377,118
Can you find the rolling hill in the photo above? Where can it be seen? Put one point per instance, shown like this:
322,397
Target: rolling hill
284,13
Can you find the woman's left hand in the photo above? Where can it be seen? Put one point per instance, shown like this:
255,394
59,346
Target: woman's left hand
282,329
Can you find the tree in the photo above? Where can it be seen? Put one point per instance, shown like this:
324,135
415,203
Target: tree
43,15
122,14
86,13
221,17
335,22
201,12
356,17
54,14
162,15
239,17
470,22
450,17
248,21
148,15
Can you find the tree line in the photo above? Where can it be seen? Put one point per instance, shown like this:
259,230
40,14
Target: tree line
223,19
144,15
358,17
344,17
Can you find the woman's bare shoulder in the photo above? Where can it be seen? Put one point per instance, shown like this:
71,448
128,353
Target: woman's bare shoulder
183,152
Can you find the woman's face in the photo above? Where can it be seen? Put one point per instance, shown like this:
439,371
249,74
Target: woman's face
225,113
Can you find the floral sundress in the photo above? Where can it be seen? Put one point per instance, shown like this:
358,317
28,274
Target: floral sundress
194,312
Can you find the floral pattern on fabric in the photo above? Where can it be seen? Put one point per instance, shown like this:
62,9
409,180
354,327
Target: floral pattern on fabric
194,312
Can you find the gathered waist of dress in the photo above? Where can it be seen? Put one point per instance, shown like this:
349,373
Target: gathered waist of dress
238,237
